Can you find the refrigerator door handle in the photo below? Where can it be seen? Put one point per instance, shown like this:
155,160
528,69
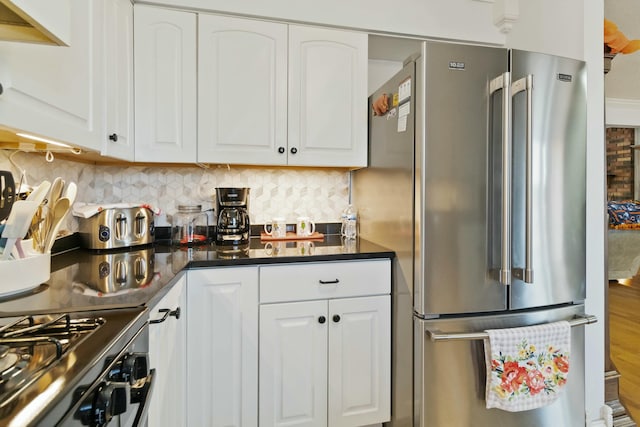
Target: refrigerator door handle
526,84
504,82
435,335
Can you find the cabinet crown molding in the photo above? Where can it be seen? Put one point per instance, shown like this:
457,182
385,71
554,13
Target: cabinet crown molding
505,13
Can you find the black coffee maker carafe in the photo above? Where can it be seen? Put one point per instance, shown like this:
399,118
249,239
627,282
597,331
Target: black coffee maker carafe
233,226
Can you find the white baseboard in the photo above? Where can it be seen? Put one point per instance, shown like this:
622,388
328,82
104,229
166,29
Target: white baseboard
605,420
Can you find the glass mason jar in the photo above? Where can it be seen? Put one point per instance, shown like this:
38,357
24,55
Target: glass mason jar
190,226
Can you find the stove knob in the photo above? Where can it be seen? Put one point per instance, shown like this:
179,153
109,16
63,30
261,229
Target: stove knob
109,399
130,368
135,367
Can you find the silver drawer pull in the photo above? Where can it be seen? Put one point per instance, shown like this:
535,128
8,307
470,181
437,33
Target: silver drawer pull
329,282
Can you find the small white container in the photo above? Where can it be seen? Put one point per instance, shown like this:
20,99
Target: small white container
22,274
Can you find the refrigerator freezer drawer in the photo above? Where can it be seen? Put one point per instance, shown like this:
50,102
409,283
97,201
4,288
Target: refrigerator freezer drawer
450,375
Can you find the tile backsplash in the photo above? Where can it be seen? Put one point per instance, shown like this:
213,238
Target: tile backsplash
318,193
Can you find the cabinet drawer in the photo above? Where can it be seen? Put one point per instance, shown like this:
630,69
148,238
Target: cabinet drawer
308,281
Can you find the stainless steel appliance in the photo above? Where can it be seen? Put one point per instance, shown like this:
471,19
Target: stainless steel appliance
477,181
114,228
115,271
232,207
75,369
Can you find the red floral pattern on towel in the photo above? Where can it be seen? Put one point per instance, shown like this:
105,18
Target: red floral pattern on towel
529,372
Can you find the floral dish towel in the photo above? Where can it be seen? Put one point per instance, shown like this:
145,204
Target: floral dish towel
527,367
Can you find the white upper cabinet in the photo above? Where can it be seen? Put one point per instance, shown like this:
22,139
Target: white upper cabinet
277,94
268,93
117,140
57,92
36,21
242,90
327,97
165,85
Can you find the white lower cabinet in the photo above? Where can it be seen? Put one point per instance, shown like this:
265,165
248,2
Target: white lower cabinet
222,347
325,361
167,355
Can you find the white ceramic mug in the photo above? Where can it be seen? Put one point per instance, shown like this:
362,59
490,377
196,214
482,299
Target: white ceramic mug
304,226
274,248
277,227
305,247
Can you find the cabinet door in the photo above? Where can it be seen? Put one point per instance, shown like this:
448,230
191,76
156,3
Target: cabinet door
167,355
222,347
118,51
242,91
165,85
56,92
327,97
293,364
359,361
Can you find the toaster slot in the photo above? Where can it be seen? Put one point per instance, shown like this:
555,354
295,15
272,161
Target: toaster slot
121,230
139,225
121,272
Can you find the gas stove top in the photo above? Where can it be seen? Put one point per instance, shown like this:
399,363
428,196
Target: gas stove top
30,344
48,363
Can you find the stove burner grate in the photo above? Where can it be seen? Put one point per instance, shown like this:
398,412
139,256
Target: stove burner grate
28,345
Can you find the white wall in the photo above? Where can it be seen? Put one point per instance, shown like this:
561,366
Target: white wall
596,204
553,27
381,71
622,81
621,84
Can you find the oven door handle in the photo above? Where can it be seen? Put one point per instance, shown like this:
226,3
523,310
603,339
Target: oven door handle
145,394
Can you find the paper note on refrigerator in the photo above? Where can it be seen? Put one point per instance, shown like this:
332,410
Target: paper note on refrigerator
402,123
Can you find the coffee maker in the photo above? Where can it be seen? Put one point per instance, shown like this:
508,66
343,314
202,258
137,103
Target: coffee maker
232,206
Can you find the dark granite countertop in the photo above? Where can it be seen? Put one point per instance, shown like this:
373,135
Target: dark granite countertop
85,280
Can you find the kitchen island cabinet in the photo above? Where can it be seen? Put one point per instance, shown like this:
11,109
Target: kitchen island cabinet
325,344
167,355
222,347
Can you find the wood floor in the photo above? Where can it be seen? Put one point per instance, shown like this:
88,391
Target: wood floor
624,330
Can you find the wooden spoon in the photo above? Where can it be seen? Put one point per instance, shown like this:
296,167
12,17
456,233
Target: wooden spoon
59,213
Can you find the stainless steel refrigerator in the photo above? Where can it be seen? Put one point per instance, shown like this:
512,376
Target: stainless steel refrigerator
476,179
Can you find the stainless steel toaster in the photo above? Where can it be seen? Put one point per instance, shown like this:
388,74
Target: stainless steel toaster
116,271
117,228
